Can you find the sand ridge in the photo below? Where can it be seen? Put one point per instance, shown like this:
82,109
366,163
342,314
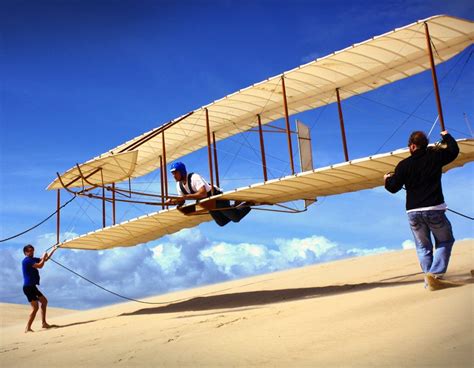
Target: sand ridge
359,312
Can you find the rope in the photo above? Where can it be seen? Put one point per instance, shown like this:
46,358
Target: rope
110,291
468,124
141,301
460,214
42,222
457,213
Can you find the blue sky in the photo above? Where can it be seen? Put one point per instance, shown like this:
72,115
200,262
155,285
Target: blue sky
80,77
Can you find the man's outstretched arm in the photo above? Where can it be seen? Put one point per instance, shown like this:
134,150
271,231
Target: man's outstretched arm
45,257
394,181
200,194
451,151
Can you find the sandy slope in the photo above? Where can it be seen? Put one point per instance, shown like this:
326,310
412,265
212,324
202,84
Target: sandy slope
362,312
14,314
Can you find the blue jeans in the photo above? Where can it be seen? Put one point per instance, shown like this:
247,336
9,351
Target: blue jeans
423,224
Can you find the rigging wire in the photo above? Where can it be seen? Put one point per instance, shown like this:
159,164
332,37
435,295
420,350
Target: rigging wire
81,208
245,138
419,105
382,104
91,204
146,188
257,163
40,223
468,124
424,120
460,73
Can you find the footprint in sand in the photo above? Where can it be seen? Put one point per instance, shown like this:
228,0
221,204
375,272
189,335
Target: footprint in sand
173,339
7,350
230,322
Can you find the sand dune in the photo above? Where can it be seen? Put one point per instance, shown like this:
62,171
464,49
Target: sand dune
363,312
14,314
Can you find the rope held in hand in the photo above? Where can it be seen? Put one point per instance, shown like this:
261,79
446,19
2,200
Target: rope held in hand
42,222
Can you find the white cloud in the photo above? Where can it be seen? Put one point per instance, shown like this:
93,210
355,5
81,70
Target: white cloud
365,252
408,244
244,259
182,260
47,240
236,260
296,248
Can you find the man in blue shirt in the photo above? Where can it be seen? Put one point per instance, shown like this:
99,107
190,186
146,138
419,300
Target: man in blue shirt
31,278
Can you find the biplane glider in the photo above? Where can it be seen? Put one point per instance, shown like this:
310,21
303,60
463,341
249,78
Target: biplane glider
357,69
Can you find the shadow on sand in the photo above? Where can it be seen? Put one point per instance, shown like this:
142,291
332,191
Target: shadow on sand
262,297
55,326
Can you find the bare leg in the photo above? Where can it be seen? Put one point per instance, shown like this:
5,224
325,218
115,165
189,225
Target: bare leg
34,306
44,305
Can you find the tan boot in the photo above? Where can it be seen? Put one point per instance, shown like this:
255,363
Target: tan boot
434,283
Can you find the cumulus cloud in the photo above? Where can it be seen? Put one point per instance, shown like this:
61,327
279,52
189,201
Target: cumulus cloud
46,241
367,252
179,261
408,244
245,259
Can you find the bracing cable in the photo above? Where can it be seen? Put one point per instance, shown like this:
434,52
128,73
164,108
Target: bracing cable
424,99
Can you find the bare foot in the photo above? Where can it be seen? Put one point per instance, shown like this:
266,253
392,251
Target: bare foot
28,330
45,325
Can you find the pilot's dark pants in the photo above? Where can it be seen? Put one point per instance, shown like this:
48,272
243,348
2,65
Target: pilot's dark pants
234,214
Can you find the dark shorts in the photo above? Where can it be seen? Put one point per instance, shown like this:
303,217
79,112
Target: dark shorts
32,293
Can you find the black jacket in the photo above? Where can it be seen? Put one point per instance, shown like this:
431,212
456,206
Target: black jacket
421,175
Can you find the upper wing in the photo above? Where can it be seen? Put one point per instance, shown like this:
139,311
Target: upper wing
357,69
364,173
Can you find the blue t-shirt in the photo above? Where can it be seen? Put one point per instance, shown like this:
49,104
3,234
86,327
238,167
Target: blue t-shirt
31,275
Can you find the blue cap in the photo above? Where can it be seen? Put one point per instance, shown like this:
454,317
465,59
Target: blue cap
178,166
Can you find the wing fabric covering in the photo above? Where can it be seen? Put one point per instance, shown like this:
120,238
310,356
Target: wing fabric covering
364,173
357,69
140,230
105,170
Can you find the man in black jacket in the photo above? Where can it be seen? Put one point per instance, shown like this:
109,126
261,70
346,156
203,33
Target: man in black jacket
421,175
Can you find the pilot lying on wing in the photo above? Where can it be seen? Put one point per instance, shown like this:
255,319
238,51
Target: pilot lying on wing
194,186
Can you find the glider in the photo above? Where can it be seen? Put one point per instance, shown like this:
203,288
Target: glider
360,68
